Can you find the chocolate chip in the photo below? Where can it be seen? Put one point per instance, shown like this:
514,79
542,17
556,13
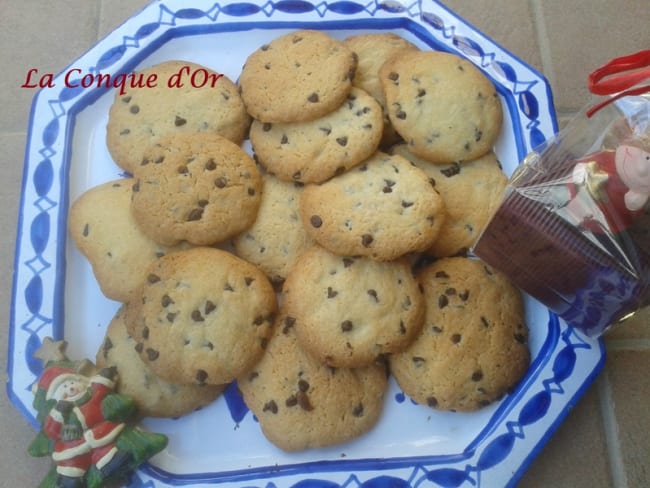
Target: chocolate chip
266,126
248,280
313,98
86,230
107,346
418,361
400,115
455,338
325,130
452,170
201,376
126,99
366,240
139,347
464,295
195,214
251,192
152,354
443,301
182,170
145,332
406,204
220,182
179,121
303,401
303,385
347,262
253,375
292,401
316,221
284,139
210,165
196,316
331,293
346,325
342,141
373,294
520,338
432,402
171,317
441,274
357,411
134,109
270,407
203,203
125,132
153,278
484,321
421,93
288,323
393,76
209,307
477,375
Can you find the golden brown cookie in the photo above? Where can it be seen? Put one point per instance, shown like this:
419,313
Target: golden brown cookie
443,106
383,208
153,396
352,311
473,348
471,191
302,404
103,229
142,115
204,316
314,151
277,237
195,187
297,77
373,50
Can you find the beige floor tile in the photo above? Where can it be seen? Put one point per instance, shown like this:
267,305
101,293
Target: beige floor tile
494,18
113,13
629,381
17,433
35,34
562,463
583,35
635,327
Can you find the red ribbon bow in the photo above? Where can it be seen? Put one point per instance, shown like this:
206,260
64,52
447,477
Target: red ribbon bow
618,77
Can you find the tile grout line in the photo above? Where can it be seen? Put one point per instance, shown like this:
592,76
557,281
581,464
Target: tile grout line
610,427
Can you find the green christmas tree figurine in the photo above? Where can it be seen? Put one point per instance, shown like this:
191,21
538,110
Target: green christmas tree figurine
86,427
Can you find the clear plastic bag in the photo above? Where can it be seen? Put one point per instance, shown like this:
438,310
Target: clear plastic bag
573,229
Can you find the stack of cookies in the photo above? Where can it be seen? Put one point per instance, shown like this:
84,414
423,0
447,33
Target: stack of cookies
331,256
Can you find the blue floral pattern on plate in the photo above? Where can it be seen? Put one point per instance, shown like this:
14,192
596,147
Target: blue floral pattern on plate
55,295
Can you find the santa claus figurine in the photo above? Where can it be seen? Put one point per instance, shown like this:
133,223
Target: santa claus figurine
610,188
85,427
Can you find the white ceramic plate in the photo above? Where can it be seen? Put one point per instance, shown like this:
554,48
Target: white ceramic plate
55,293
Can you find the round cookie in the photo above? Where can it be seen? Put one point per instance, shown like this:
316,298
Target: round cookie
205,316
140,116
201,188
473,347
383,208
373,50
471,190
443,106
314,151
104,231
350,312
277,237
299,76
154,397
302,404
